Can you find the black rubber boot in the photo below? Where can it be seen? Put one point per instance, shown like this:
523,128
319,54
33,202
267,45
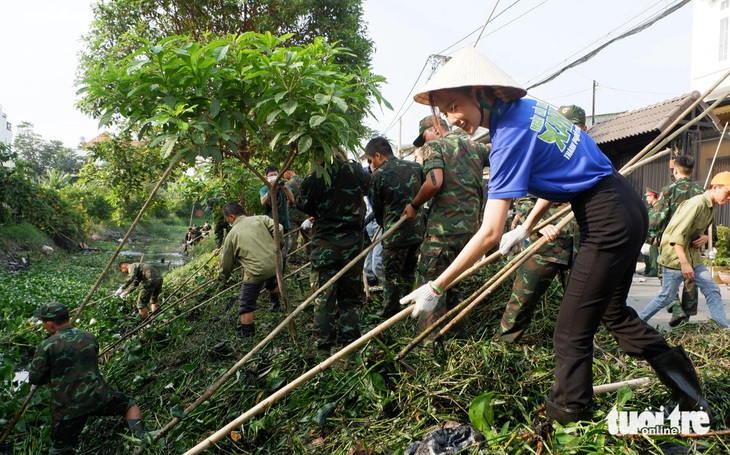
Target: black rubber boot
247,330
275,304
676,371
565,415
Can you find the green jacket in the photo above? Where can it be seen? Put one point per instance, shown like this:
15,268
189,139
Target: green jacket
67,360
250,243
691,219
141,274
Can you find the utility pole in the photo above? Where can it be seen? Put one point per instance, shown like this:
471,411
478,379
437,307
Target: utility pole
593,107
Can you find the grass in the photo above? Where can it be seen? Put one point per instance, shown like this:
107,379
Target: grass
369,404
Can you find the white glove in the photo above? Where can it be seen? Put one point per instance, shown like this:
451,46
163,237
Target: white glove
512,239
119,291
711,254
307,225
424,297
124,295
645,249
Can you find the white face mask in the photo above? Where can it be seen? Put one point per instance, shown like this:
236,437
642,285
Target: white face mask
271,178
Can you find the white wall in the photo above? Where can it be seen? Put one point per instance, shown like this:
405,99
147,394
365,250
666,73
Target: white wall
6,133
708,17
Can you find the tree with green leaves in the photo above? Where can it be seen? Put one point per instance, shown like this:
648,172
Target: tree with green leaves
239,97
119,24
44,155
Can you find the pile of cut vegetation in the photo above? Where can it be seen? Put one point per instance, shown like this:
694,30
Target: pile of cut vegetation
366,403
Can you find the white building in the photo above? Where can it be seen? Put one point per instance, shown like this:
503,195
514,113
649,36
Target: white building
6,128
710,46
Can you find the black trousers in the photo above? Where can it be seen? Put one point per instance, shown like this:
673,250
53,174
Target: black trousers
613,225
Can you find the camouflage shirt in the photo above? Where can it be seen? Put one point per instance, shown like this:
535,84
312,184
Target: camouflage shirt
562,249
141,273
392,187
671,196
455,208
295,215
338,207
67,360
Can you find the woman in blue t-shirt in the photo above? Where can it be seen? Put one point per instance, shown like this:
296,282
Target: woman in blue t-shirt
536,150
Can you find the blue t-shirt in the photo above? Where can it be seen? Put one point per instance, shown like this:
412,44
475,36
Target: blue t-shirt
538,151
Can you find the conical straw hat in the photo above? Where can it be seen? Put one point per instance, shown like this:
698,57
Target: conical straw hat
468,68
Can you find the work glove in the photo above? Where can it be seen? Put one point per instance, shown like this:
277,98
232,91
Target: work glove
424,297
711,253
119,292
307,225
124,295
512,241
645,249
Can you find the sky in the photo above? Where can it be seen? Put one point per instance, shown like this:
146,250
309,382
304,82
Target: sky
528,39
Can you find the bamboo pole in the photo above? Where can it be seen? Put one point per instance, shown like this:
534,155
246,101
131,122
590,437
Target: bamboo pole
684,114
300,248
19,414
195,272
707,180
226,376
605,388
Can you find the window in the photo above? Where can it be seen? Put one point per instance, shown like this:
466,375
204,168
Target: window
722,55
724,4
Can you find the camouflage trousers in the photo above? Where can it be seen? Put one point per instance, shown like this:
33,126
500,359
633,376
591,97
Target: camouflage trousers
399,268
149,294
651,267
688,303
532,279
437,253
336,309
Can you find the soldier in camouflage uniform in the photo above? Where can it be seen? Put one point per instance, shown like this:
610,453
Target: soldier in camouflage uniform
453,167
534,276
651,266
393,184
671,196
151,282
67,360
338,207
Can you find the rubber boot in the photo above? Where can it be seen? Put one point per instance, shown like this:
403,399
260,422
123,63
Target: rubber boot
136,427
565,415
678,316
676,371
275,304
247,330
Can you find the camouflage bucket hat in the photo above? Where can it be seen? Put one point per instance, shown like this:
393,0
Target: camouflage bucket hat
471,68
423,125
51,311
574,113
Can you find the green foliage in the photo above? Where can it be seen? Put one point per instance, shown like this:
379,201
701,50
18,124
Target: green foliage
118,24
124,172
42,207
722,245
238,96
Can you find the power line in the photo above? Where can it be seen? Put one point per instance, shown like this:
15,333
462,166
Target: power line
595,52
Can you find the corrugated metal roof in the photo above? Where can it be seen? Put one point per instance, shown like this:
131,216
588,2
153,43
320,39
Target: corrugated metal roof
651,119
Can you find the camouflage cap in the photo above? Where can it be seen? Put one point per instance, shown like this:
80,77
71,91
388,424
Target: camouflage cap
423,125
51,311
574,113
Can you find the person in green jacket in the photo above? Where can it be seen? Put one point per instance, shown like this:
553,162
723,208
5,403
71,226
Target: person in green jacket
250,244
67,362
